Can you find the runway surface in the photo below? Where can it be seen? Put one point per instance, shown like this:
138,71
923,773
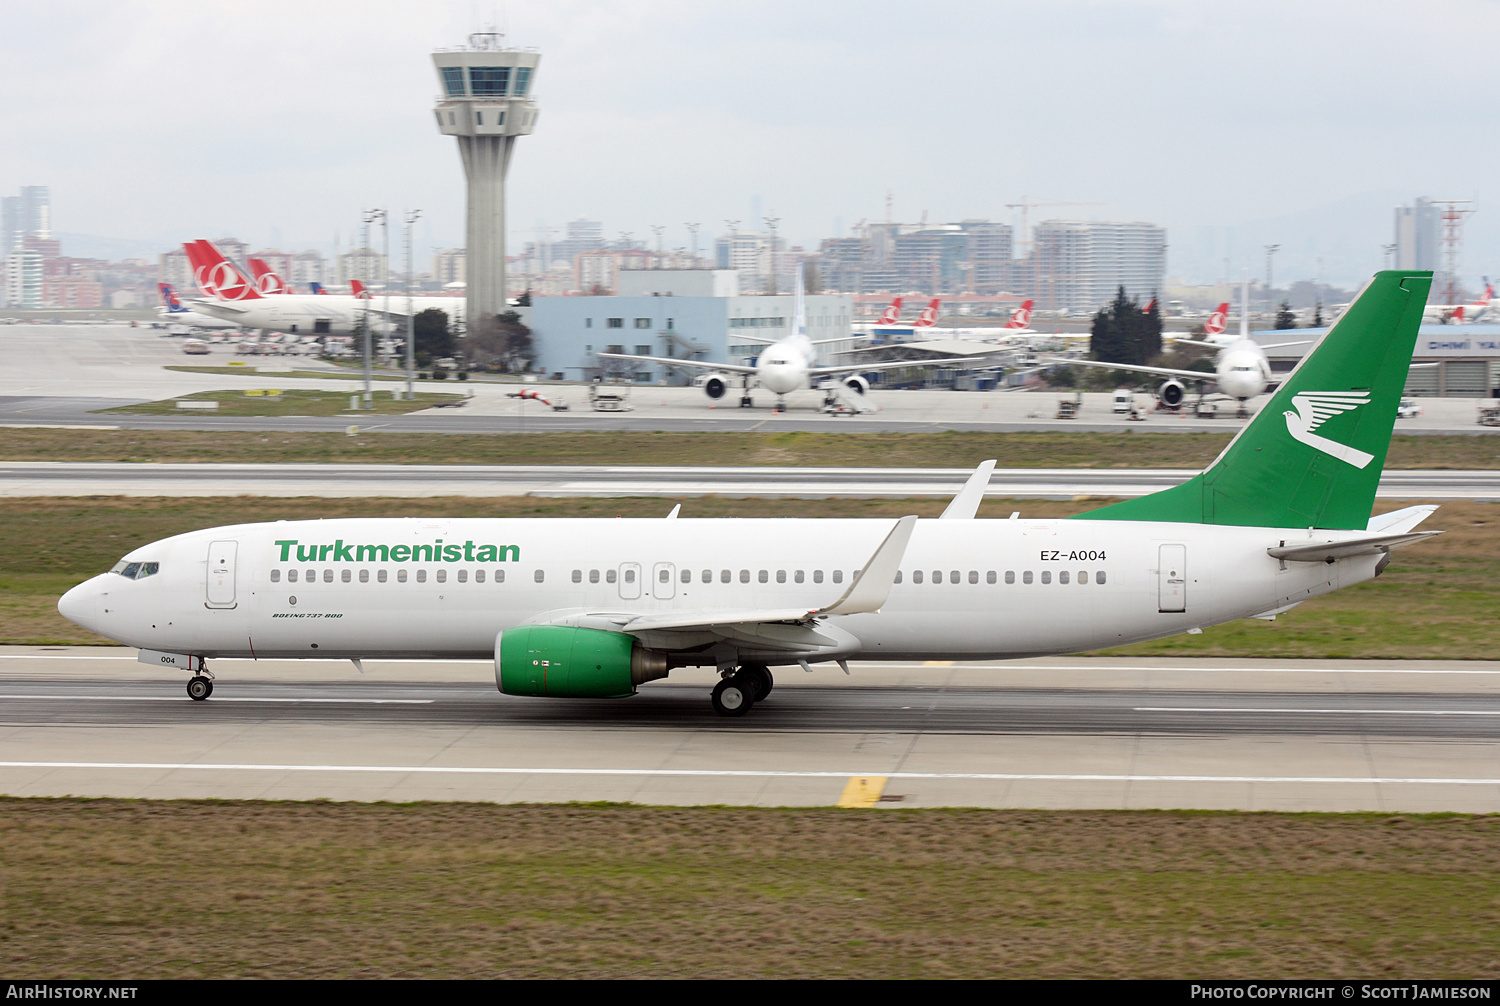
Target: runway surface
62,374
49,478
1065,732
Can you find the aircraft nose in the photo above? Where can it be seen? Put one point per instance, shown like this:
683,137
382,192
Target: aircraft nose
81,605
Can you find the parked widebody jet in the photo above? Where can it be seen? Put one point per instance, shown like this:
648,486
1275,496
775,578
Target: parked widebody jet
230,295
1241,369
786,365
590,607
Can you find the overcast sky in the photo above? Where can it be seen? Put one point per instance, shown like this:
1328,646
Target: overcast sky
1230,123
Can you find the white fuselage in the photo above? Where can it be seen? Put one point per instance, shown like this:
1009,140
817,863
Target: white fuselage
1243,370
968,589
194,319
785,366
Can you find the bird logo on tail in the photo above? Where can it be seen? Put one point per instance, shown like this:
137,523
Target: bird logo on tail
1314,408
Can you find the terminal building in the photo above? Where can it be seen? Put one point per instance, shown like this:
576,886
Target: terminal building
1449,361
687,314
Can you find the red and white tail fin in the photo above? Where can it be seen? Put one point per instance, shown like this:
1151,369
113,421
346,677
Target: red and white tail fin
266,280
1217,321
928,317
1458,314
1022,316
358,289
217,276
891,314
1148,307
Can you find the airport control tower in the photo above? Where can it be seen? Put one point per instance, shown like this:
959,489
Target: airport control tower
486,103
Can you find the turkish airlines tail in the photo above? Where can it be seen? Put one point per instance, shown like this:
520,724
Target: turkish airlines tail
1022,316
266,280
1217,321
358,289
928,317
216,275
891,314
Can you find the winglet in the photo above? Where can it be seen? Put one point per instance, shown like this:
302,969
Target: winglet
873,584
966,504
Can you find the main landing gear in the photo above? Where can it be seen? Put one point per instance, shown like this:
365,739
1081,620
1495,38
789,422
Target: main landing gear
735,694
201,685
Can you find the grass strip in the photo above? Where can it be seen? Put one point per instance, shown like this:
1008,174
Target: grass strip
288,402
116,888
877,450
1435,601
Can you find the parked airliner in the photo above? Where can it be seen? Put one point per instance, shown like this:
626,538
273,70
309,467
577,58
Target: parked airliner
1241,369
591,607
785,366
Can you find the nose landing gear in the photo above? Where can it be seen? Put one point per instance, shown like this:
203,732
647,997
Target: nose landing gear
201,685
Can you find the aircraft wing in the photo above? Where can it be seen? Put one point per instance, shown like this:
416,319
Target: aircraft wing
211,306
816,342
733,368
1196,342
860,368
1190,375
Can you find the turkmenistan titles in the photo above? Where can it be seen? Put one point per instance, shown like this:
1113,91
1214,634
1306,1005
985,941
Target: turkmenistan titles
339,551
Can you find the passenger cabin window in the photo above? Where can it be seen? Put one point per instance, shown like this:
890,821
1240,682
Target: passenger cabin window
817,576
539,576
762,576
1010,576
898,576
989,577
421,576
275,576
724,576
1026,576
577,576
610,576
1062,576
1046,576
664,576
744,576
442,576
1099,576
687,576
838,576
798,577
400,576
382,575
479,576
327,576
1083,576
364,576
346,575
916,576
593,576
463,576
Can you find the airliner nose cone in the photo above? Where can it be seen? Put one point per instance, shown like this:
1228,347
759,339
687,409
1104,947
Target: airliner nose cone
80,605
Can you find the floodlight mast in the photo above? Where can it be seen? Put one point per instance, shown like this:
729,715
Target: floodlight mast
485,102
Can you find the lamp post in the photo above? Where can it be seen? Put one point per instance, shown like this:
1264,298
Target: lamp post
1270,252
411,322
370,217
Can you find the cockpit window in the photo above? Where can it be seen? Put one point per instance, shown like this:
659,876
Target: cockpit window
136,570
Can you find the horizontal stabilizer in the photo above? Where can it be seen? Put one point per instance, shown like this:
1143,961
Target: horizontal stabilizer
1401,520
1328,551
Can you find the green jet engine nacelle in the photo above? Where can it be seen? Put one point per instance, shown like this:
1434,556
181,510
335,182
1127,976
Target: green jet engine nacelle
565,662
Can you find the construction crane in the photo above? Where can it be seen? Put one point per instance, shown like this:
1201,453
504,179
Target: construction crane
1025,206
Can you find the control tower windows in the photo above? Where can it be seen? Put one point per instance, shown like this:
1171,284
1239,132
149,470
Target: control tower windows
523,80
453,81
489,80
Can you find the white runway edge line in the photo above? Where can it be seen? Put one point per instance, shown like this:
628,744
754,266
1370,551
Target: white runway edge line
740,773
1382,712
229,698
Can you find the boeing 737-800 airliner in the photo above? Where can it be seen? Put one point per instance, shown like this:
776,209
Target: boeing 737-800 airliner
596,607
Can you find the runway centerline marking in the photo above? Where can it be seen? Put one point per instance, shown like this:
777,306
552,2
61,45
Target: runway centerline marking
744,773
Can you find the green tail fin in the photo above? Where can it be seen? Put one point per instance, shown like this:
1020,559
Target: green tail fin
1313,455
